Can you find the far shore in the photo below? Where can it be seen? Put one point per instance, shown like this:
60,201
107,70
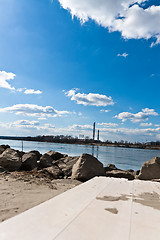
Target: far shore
86,142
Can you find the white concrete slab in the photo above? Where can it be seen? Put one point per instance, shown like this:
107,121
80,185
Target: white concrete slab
145,211
102,208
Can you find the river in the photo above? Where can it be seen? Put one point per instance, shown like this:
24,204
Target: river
124,158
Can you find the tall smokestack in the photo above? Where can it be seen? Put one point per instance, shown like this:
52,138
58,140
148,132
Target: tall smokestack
94,128
98,136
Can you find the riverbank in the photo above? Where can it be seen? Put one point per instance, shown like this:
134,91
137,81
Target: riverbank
147,146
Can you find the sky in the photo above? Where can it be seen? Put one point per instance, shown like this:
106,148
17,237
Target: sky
65,64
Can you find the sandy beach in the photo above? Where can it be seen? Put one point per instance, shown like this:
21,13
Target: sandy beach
20,191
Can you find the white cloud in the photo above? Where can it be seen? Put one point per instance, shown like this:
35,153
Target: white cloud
130,17
26,123
4,78
137,117
130,134
86,129
29,125
34,110
42,118
76,127
49,126
128,131
108,124
103,110
93,99
146,124
21,89
32,91
122,55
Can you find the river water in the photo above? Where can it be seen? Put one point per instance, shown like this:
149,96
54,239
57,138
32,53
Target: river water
124,158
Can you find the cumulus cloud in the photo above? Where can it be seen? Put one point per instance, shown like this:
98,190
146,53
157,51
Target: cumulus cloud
93,99
137,117
4,78
27,126
34,110
122,55
108,124
32,91
26,123
134,19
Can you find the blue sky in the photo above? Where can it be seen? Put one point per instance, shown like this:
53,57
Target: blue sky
67,63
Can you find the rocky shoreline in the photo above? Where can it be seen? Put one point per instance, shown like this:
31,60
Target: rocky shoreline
55,165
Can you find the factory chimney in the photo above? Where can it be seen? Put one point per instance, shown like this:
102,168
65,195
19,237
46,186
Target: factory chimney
98,135
94,128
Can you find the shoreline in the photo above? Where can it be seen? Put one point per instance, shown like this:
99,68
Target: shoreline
30,178
130,146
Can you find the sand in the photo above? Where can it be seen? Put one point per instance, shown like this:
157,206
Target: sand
20,191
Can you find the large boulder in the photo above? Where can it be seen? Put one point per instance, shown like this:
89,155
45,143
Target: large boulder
10,159
150,169
45,161
121,174
29,161
53,172
66,165
56,155
87,167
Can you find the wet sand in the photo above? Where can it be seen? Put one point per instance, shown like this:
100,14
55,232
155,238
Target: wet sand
22,191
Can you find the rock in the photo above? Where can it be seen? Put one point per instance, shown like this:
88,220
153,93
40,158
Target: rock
110,167
10,160
1,149
29,161
66,164
120,174
130,170
54,172
56,155
5,146
45,161
87,167
150,169
37,154
136,173
2,170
